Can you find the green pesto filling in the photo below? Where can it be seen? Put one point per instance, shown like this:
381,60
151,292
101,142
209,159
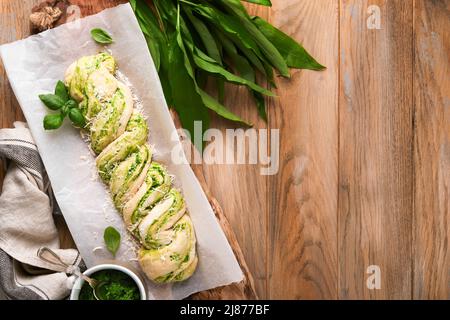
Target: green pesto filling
119,286
157,174
134,136
164,278
132,174
110,127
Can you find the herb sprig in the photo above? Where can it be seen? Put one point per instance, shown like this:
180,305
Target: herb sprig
193,40
101,36
112,240
61,101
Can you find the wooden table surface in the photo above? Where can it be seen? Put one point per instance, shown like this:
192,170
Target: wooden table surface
364,175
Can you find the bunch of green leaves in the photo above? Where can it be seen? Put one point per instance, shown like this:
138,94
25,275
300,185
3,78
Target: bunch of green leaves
193,40
61,101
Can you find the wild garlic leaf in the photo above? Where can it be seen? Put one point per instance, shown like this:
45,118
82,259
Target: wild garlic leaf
208,101
112,239
101,36
207,39
260,104
294,54
185,99
246,71
220,84
235,31
261,2
216,39
270,52
230,77
149,26
240,63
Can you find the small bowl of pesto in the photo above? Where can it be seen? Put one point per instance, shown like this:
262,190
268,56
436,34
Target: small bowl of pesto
115,283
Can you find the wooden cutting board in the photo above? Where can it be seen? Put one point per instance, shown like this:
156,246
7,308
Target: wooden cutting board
242,290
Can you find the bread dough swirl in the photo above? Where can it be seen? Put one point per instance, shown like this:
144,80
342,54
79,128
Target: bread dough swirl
153,211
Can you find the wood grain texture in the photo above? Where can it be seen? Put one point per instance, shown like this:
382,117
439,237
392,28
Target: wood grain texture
303,195
240,188
431,228
364,173
13,26
89,7
375,155
246,288
241,191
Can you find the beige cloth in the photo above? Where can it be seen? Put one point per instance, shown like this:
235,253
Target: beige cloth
26,221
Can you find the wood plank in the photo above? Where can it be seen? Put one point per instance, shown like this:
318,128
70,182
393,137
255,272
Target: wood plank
244,289
240,188
432,150
303,195
13,25
375,156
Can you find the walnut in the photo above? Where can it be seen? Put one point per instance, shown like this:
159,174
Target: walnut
44,15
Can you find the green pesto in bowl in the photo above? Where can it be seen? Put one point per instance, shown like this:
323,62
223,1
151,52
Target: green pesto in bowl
119,286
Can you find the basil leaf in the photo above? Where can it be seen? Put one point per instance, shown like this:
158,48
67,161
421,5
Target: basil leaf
261,2
77,117
52,101
294,54
52,121
112,240
61,91
65,110
101,36
72,104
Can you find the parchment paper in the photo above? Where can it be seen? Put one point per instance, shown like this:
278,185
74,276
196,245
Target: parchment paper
33,66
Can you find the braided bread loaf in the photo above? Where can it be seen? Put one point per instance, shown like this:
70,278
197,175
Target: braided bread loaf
153,211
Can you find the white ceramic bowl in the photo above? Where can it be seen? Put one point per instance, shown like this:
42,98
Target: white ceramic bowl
107,266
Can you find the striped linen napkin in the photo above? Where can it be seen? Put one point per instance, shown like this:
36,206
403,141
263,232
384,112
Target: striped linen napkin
26,224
